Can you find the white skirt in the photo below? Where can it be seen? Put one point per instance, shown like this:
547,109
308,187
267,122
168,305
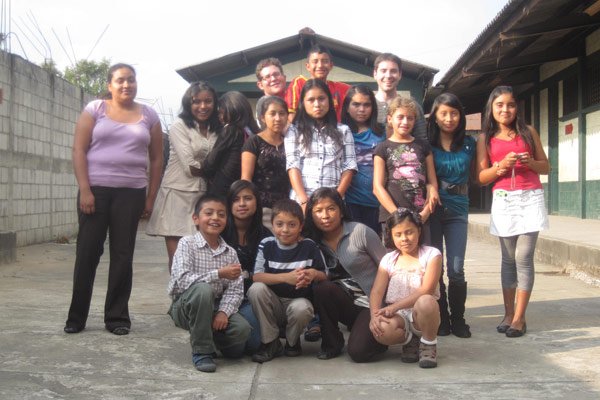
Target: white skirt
172,213
517,212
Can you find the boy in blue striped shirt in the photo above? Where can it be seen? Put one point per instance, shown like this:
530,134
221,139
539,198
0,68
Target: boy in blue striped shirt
286,266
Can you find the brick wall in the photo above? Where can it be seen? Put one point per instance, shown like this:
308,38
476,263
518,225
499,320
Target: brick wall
37,119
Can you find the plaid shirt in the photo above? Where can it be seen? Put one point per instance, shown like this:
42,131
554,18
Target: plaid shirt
324,162
195,261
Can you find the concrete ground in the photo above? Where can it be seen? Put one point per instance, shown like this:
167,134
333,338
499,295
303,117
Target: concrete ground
559,357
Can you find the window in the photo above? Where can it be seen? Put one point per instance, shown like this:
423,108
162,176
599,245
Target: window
570,95
525,109
591,84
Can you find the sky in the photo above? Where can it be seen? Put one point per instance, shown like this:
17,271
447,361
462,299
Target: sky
157,37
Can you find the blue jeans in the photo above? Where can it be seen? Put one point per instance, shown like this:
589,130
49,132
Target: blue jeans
253,342
449,227
366,215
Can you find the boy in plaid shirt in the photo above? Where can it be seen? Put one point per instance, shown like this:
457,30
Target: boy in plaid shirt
207,288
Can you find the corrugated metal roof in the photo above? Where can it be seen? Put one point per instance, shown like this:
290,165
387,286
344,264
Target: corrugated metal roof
509,51
297,45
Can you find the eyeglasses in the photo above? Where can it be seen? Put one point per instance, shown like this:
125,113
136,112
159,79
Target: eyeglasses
274,75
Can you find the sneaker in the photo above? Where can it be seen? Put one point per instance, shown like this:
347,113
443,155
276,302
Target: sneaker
267,352
293,351
410,351
204,362
427,355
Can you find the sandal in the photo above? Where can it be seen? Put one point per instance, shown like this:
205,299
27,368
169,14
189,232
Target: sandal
313,334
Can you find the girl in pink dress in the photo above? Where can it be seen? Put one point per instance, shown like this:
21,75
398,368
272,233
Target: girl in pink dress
510,156
407,284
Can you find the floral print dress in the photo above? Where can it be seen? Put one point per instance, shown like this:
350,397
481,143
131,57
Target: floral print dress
406,173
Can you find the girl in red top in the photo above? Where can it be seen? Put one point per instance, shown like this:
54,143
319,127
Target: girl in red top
511,155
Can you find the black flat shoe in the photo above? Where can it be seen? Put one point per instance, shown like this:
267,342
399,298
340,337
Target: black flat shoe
512,332
329,354
72,329
120,331
502,328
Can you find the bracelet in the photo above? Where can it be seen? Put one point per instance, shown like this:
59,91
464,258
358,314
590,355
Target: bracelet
302,202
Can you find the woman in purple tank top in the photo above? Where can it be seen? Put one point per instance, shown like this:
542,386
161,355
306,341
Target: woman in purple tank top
114,139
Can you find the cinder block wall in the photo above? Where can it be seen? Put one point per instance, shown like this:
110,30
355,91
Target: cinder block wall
37,120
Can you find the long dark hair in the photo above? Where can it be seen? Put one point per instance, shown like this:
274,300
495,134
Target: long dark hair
490,126
433,130
186,105
237,111
310,230
305,123
254,234
397,217
372,121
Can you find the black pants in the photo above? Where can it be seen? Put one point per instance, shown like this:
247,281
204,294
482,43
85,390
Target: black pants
118,212
334,305
362,346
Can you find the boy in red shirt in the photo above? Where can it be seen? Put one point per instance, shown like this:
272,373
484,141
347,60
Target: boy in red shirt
319,64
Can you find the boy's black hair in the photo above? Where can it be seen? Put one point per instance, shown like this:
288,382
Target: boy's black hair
287,206
319,49
205,198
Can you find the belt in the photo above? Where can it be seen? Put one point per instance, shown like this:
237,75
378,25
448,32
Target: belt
455,188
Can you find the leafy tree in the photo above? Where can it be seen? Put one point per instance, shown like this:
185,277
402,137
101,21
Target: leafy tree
50,66
89,75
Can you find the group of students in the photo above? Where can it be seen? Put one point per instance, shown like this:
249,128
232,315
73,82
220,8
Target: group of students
323,211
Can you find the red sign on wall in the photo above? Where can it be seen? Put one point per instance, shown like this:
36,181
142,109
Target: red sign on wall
568,129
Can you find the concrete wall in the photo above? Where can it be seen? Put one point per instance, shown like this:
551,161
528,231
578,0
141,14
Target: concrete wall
570,179
37,119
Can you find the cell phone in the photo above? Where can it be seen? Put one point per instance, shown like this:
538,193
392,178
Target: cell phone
521,155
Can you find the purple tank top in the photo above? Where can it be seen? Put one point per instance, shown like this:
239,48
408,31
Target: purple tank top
118,153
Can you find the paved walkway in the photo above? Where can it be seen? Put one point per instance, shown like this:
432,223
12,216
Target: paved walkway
559,357
566,229
572,244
